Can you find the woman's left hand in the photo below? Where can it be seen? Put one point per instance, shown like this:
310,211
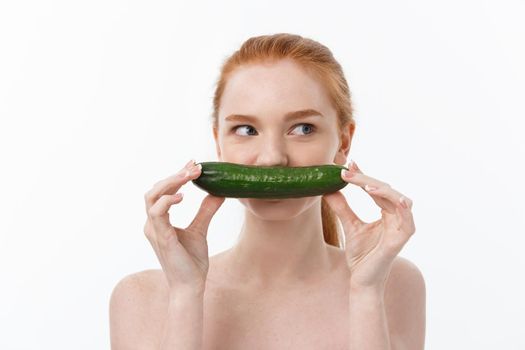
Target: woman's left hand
372,247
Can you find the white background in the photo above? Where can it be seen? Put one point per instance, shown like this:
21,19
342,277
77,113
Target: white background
101,99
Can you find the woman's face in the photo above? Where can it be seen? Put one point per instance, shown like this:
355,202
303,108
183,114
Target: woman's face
275,114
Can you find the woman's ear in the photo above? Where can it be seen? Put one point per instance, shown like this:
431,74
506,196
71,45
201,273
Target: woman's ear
345,139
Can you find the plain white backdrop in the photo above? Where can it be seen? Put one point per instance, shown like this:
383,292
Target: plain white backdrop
99,100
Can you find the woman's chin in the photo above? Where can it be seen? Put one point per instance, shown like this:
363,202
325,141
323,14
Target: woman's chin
266,201
276,209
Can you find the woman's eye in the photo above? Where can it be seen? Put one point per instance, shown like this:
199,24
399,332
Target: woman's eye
304,127
241,126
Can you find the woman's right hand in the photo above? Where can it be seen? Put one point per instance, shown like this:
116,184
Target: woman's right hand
182,253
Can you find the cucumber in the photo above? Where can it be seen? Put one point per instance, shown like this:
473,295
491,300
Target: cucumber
223,179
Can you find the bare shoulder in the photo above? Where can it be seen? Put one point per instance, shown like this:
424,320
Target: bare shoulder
405,304
144,281
405,273
139,286
136,309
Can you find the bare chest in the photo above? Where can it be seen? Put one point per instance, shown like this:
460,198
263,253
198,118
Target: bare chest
286,321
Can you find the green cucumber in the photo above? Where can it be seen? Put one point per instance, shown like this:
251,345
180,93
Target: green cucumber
223,179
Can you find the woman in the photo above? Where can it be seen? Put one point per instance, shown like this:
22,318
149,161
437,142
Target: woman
287,283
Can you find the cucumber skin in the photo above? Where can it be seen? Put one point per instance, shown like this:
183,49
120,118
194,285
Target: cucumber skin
223,179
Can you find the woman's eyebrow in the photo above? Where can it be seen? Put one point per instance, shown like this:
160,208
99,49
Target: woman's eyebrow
288,116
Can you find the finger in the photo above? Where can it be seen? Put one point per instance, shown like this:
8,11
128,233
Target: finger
209,206
159,216
403,229
382,193
382,203
172,184
392,197
149,231
356,177
339,205
406,222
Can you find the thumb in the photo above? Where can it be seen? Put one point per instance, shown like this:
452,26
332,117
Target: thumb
339,205
209,206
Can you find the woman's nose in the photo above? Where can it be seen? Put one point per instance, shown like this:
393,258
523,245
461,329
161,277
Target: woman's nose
272,152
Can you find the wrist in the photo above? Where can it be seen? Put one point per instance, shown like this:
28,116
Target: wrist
367,291
186,294
366,298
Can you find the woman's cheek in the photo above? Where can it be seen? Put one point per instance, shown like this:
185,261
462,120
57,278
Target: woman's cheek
239,152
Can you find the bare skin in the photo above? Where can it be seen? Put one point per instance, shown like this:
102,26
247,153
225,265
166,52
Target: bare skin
292,317
281,286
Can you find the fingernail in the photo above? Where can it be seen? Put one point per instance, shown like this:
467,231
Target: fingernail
351,164
346,173
191,162
195,171
403,202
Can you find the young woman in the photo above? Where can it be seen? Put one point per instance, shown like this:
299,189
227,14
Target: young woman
288,283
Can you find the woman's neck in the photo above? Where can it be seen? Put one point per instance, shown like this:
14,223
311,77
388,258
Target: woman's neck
280,253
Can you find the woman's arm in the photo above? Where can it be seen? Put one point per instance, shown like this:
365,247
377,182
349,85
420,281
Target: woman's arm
368,322
144,316
405,305
371,252
393,320
184,323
